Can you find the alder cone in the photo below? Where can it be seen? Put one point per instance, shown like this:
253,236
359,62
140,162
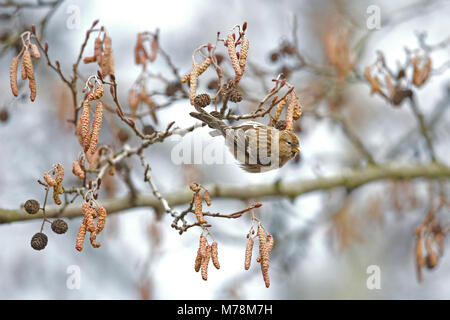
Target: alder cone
59,226
32,206
202,100
235,95
39,241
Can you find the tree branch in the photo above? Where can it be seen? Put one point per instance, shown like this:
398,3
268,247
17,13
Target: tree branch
352,179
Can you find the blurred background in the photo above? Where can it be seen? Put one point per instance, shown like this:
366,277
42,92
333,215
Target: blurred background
324,241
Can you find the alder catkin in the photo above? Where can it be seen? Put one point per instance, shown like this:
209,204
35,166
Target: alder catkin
248,253
96,127
56,195
80,236
205,64
92,238
98,50
278,110
28,64
49,180
193,83
215,255
207,197
133,101
101,219
59,173
32,86
243,54
86,209
198,208
35,51
84,124
89,59
13,76
198,261
232,54
290,112
205,263
186,78
297,106
98,93
269,243
264,255
108,51
106,60
23,72
200,252
77,170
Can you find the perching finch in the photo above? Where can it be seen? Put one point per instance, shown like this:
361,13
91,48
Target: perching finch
252,145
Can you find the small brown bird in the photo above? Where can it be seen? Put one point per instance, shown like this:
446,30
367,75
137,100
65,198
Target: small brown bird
252,145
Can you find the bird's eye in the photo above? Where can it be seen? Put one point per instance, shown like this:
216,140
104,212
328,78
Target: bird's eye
289,143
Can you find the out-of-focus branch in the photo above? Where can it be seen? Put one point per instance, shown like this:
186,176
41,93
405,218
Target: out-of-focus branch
353,138
423,127
352,179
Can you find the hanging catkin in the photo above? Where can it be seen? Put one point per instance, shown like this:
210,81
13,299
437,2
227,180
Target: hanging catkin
96,126
13,76
84,124
248,253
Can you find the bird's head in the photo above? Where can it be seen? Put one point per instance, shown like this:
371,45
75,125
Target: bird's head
289,144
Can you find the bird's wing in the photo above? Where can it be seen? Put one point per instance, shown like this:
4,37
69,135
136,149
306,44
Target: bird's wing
248,139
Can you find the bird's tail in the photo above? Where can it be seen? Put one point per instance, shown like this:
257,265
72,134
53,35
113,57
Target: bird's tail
211,121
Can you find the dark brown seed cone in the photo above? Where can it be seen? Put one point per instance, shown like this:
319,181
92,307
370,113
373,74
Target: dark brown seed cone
400,95
202,100
59,226
4,115
287,49
123,135
280,125
39,241
235,95
172,88
274,56
213,84
32,206
148,129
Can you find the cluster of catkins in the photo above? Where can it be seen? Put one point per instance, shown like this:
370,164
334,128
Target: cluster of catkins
78,168
140,52
265,246
54,179
395,86
87,138
88,224
136,97
238,61
28,52
293,111
102,55
197,201
206,253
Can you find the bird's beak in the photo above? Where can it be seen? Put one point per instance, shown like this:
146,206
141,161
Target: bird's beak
296,150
